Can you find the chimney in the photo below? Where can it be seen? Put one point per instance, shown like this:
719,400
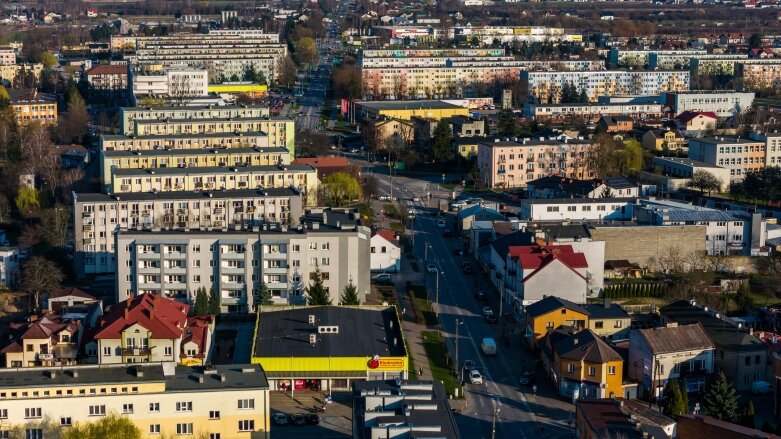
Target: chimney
52,374
750,331
127,313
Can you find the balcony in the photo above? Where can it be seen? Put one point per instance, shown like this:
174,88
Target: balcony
86,214
133,351
148,255
224,269
233,256
275,270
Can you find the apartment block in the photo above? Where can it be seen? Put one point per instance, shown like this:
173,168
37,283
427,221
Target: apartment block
226,402
514,162
505,34
721,64
118,142
128,115
174,83
7,57
739,155
97,217
722,103
108,77
10,71
672,60
546,87
759,74
642,58
684,168
35,110
236,263
591,112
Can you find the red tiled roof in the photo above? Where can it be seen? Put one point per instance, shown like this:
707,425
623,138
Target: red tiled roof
688,116
70,291
388,234
164,318
107,69
536,257
196,332
44,327
325,165
537,252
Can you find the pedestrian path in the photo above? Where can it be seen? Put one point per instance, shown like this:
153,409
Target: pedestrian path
412,330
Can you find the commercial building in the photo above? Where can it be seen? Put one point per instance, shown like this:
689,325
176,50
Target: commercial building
406,110
175,263
740,355
739,155
329,347
514,162
685,168
546,87
657,355
394,407
722,103
97,216
35,110
642,58
228,402
591,112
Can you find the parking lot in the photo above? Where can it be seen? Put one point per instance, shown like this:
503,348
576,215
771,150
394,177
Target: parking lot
334,423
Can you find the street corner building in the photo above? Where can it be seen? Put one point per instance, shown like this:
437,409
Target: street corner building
329,347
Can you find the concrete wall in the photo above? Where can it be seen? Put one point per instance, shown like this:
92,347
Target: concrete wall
639,243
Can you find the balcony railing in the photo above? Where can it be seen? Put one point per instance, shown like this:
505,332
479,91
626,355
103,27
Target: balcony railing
136,351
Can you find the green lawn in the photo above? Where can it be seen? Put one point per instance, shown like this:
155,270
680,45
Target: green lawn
438,361
423,306
763,300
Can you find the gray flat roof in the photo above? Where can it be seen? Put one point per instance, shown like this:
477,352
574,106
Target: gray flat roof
204,151
229,135
408,105
210,170
97,197
685,161
196,108
579,201
363,331
725,140
212,119
532,142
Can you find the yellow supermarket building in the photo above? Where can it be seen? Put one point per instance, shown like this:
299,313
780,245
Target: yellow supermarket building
406,110
325,348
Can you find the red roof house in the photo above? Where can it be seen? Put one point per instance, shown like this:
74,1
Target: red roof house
696,121
42,341
326,165
537,271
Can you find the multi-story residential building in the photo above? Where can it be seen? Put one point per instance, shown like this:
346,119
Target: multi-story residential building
657,355
685,168
7,57
514,162
226,402
128,115
9,72
35,110
715,64
149,328
160,159
10,275
254,34
42,341
546,87
740,355
722,103
118,142
759,74
236,262
108,77
505,34
97,216
772,146
739,155
672,60
174,83
550,313
591,112
642,58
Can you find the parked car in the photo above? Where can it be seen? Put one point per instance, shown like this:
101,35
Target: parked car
279,418
431,268
384,198
383,278
298,418
312,419
441,222
527,379
487,310
466,267
416,199
490,318
480,296
469,364
475,377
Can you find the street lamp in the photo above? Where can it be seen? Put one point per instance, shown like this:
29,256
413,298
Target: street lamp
437,298
458,339
425,250
493,422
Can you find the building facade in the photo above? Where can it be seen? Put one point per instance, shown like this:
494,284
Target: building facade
591,112
685,168
736,154
722,103
38,110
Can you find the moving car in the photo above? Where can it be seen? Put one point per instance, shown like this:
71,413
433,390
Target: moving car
466,267
488,311
431,268
526,379
312,419
441,222
469,364
384,198
475,377
447,234
488,346
383,278
279,418
298,418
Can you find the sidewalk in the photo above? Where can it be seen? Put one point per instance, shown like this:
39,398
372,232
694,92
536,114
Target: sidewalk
412,330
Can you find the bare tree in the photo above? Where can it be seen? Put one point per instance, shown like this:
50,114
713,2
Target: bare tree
40,275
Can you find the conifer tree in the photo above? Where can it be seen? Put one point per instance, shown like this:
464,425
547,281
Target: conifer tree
350,294
316,293
214,303
201,302
672,403
721,400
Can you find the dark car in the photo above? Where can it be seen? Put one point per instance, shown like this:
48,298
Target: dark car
458,252
448,233
491,318
466,267
312,419
527,379
298,419
480,296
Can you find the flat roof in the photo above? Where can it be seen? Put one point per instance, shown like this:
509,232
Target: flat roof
409,105
532,142
364,331
199,151
211,170
722,140
229,135
578,201
685,161
97,197
212,119
195,108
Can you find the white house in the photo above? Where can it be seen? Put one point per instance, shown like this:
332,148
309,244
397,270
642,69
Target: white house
576,209
9,266
385,251
537,271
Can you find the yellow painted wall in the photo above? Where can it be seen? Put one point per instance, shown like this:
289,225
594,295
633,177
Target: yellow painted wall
540,323
608,326
238,88
427,113
324,364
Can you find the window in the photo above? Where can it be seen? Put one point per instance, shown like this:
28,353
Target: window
599,325
184,428
617,324
214,436
611,370
246,404
32,413
184,406
214,414
312,246
592,371
549,325
571,368
97,410
756,359
247,425
168,351
154,407
65,421
747,360
3,413
33,433
106,351
127,408
154,428
553,208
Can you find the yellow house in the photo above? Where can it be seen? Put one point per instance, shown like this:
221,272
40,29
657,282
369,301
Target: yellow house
328,347
42,342
582,365
466,147
608,320
550,313
663,140
228,402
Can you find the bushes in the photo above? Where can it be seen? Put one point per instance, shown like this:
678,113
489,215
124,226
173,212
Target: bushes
630,290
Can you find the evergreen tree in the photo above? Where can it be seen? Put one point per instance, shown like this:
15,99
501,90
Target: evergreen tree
214,303
747,417
506,123
721,400
743,299
684,395
350,294
263,297
315,292
201,307
583,96
441,142
672,403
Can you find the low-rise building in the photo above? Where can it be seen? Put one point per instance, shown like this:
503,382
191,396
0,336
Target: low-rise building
721,103
536,272
35,110
108,77
10,274
608,320
559,188
591,112
406,110
704,427
389,407
684,168
616,124
65,298
229,402
45,341
696,121
664,140
326,348
385,251
576,209
657,355
620,417
551,312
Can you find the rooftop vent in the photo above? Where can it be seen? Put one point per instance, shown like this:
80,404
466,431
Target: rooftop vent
311,319
313,339
327,329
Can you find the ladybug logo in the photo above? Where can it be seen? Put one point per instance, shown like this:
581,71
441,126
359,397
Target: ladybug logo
374,362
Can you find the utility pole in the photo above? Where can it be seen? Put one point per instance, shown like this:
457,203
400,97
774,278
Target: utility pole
458,368
425,251
390,174
493,421
437,299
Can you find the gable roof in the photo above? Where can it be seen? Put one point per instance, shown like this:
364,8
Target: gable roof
164,318
107,69
586,346
676,338
552,303
197,332
606,311
537,257
71,291
722,330
388,235
687,116
45,327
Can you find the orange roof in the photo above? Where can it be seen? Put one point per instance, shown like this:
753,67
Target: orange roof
323,162
107,69
164,318
388,234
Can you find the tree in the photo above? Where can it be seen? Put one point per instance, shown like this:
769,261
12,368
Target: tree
27,199
264,296
201,307
441,142
214,303
75,122
350,294
704,181
287,71
632,155
743,298
48,60
672,403
506,123
306,51
341,187
316,294
40,275
721,400
684,395
755,41
5,98
113,426
747,418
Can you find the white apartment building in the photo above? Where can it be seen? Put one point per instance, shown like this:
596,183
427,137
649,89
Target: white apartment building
591,111
546,87
505,34
722,103
576,209
97,217
128,115
118,142
272,38
170,82
642,58
236,263
514,162
225,402
10,275
685,168
739,155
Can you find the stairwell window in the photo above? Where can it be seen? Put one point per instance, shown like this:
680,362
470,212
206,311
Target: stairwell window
611,370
